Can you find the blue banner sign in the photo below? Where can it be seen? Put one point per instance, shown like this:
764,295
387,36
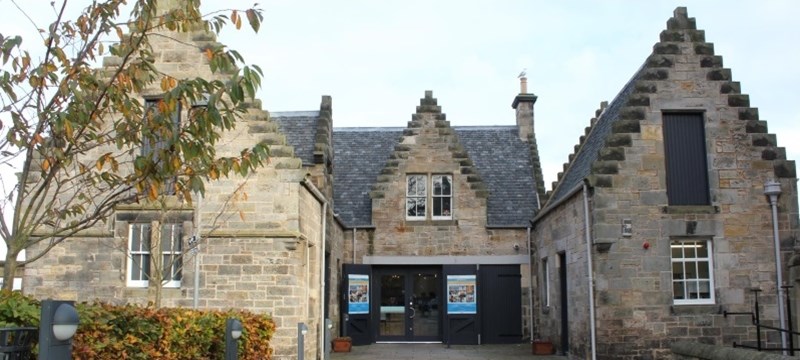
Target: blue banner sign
358,294
461,294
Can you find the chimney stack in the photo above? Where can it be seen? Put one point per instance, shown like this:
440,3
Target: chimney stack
523,104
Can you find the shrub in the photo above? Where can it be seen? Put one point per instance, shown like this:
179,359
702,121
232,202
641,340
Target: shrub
136,332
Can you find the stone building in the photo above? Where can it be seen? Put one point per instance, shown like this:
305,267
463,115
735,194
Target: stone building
659,223
441,233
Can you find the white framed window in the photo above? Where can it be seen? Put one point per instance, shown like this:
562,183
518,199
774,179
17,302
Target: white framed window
171,250
442,197
138,254
545,283
692,272
141,248
416,197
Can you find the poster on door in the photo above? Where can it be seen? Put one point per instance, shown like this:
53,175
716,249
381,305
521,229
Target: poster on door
358,294
461,295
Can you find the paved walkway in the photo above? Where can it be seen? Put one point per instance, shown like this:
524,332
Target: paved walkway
441,352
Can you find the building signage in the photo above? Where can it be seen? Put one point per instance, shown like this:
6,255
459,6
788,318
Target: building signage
461,295
358,294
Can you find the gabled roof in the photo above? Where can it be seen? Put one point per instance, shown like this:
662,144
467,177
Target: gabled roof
501,158
588,153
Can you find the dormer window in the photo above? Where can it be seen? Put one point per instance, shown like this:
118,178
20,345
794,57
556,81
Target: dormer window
417,199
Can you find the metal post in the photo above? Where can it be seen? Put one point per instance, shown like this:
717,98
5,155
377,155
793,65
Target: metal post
757,321
194,243
302,330
57,325
328,336
233,331
789,315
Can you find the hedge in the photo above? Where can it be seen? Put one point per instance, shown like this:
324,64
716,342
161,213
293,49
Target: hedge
137,332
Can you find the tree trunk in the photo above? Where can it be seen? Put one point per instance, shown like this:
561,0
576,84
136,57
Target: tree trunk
9,270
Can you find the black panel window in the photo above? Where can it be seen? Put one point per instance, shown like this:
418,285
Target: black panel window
685,153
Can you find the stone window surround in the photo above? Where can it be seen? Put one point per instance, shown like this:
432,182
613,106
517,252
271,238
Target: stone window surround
183,217
711,300
429,197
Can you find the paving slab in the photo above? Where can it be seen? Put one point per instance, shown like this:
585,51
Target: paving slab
441,352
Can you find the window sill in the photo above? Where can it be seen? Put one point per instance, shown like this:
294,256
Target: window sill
450,222
691,309
690,209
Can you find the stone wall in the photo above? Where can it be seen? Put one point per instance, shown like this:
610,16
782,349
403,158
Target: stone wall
562,232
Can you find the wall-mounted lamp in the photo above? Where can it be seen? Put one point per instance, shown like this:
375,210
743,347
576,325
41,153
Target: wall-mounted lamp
627,227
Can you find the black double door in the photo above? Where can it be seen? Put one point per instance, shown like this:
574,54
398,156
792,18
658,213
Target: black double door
408,304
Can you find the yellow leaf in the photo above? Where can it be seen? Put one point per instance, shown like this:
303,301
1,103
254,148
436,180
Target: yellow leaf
68,129
165,84
176,162
209,54
46,164
119,33
99,163
37,139
213,174
241,215
234,16
153,191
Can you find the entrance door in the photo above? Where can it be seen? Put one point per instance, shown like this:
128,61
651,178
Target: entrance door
408,304
356,298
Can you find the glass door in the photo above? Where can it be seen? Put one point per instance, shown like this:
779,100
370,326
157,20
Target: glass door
409,304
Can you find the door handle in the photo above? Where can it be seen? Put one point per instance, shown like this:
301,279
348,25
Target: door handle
413,312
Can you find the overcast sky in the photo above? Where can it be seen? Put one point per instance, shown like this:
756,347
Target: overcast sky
377,58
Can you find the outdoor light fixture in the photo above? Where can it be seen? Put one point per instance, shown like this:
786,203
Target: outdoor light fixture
58,323
65,322
302,330
772,189
233,331
236,329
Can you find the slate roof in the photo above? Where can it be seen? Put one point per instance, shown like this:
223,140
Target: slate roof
581,165
501,158
359,154
300,128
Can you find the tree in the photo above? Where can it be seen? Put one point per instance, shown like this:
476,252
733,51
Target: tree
84,138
